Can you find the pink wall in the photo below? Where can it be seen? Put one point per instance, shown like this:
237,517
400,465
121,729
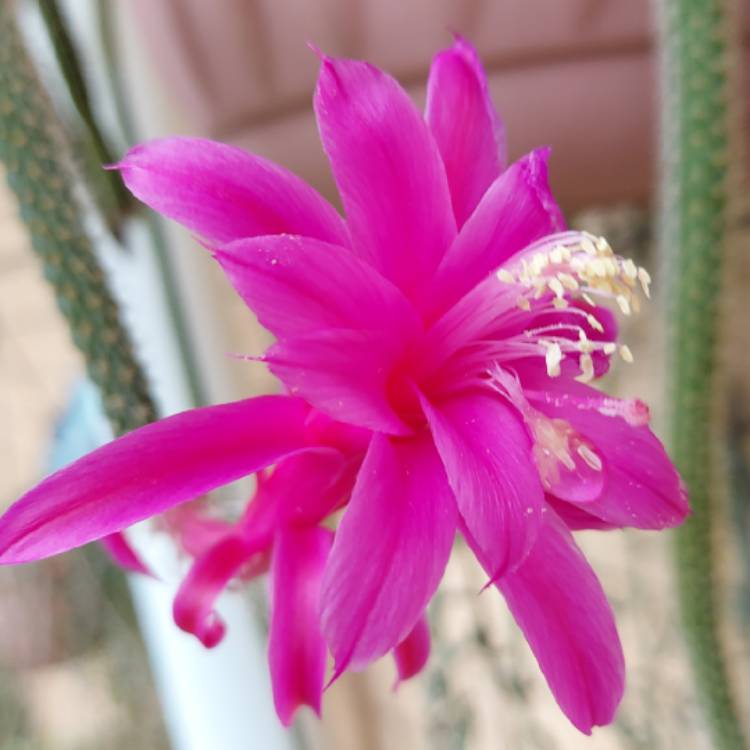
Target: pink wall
577,74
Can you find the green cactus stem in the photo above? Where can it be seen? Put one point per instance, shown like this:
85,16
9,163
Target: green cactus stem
32,151
697,38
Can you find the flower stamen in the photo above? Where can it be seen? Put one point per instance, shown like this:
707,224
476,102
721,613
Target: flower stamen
576,265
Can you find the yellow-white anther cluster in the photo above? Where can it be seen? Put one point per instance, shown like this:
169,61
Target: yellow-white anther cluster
584,265
578,265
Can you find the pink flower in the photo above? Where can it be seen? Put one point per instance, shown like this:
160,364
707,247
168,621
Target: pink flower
435,346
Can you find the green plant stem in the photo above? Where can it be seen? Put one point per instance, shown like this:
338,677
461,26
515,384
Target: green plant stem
31,148
696,125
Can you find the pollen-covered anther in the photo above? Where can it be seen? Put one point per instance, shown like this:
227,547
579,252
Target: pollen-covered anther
645,279
593,321
556,255
539,262
580,265
556,287
623,303
592,460
586,363
585,346
540,287
593,249
630,269
568,281
598,267
626,354
552,358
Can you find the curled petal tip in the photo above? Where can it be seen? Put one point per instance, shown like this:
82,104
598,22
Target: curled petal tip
287,718
490,582
454,34
461,44
397,683
204,243
213,634
412,653
330,81
338,670
210,631
502,570
122,553
246,357
541,154
317,51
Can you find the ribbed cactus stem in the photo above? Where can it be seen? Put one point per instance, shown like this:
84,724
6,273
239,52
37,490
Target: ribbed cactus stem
696,124
31,149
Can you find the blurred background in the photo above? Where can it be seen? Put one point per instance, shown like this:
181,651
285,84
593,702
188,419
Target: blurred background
90,660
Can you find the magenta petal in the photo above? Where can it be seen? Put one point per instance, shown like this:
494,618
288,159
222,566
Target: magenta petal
347,438
296,649
342,372
563,612
465,125
390,551
412,653
388,171
487,455
298,285
517,209
303,489
223,193
121,551
642,487
577,519
148,471
193,529
210,574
